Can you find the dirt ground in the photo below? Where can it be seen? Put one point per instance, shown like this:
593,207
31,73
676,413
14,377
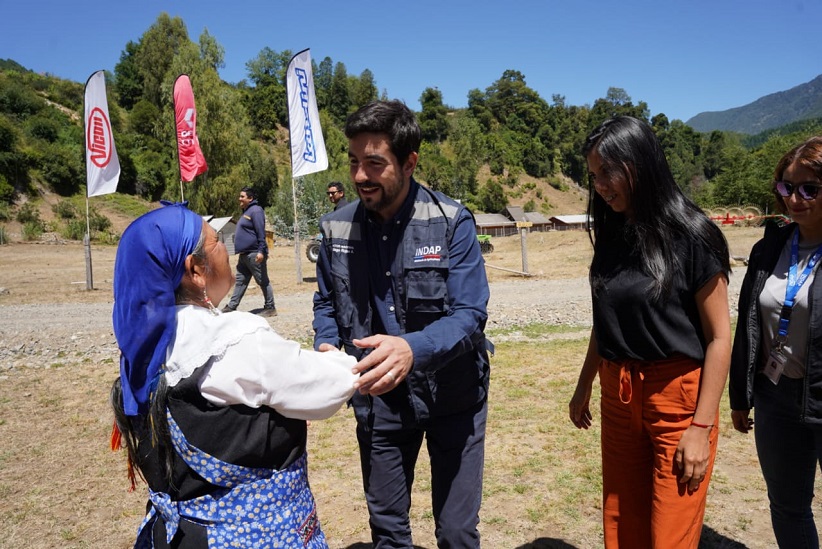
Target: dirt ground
57,356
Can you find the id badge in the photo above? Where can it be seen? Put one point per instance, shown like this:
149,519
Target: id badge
775,366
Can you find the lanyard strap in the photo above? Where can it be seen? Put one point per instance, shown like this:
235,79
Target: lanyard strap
793,286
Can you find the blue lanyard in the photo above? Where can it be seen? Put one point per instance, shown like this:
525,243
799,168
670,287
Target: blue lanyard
793,286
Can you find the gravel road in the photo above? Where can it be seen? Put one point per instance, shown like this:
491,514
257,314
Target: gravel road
44,335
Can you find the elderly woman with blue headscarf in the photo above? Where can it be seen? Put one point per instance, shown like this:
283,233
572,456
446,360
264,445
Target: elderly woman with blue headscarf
211,407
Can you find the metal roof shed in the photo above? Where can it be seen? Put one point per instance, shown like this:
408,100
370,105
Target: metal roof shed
225,227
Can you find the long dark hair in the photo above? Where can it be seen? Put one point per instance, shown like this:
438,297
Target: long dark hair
142,434
659,209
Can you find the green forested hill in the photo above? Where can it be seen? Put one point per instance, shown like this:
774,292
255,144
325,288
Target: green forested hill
771,111
508,146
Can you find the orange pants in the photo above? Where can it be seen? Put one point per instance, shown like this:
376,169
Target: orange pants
646,406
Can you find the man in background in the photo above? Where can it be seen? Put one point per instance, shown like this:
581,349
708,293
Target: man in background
252,251
336,194
402,287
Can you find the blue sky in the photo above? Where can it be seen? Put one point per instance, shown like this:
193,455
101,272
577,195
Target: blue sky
682,57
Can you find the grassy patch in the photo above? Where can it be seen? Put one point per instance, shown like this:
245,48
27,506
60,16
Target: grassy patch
536,330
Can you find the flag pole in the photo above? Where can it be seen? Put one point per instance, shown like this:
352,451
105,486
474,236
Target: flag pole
297,255
87,236
87,248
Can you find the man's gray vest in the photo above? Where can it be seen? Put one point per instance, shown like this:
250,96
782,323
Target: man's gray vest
451,385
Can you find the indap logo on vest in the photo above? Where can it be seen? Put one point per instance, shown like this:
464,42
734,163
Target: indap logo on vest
99,138
428,253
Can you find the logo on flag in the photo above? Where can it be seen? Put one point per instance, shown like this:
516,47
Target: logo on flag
307,144
102,164
100,141
192,161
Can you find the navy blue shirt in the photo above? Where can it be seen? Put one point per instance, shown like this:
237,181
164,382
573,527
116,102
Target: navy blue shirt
250,233
467,287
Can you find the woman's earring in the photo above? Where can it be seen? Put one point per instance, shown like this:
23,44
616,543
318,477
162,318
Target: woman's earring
207,300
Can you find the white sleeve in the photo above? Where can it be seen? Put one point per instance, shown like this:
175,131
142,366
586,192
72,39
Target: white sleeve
263,369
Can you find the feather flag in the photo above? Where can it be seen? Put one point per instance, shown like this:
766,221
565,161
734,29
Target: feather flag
192,161
307,144
102,163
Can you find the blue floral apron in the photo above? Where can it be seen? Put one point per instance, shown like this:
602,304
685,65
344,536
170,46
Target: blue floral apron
255,507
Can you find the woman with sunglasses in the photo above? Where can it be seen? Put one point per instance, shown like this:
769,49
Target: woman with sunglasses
776,363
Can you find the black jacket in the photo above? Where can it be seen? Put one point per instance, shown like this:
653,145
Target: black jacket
746,357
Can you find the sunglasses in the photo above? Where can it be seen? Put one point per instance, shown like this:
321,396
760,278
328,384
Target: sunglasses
807,191
332,193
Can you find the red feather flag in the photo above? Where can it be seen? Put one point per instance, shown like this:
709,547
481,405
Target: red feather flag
192,161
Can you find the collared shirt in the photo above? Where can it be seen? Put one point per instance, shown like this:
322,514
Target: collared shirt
383,240
467,288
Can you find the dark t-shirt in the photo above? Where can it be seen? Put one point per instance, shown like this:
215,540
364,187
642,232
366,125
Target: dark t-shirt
628,322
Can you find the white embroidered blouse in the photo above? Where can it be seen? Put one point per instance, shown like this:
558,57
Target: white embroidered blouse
249,363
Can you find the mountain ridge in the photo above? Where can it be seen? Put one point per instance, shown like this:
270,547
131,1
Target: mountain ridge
770,111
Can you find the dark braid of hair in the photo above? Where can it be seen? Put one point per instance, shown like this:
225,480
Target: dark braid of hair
154,425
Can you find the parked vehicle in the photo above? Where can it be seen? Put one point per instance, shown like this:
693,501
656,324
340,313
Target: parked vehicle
312,249
485,243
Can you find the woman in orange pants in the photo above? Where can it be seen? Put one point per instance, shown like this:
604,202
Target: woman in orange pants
660,343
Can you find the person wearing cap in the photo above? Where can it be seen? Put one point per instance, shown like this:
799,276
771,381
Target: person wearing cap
212,407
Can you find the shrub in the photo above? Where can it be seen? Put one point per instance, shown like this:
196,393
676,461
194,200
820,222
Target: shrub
5,212
32,230
43,127
529,206
18,101
3,239
65,210
98,222
74,229
62,167
108,238
28,214
6,190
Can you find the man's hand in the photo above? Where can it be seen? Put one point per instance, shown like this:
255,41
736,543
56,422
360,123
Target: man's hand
385,367
259,258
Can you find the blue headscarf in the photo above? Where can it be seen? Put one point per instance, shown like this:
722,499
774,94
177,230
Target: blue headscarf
148,268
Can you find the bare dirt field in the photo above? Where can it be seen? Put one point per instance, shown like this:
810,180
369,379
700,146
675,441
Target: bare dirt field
60,486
